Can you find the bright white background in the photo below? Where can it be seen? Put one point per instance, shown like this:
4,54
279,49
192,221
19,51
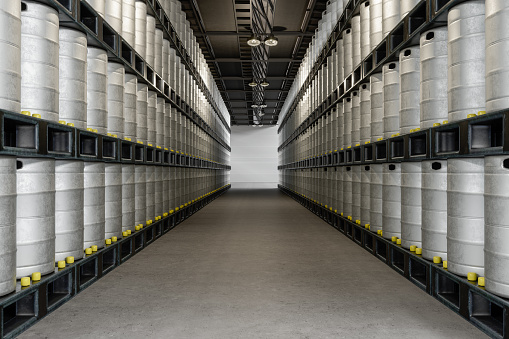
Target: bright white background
254,157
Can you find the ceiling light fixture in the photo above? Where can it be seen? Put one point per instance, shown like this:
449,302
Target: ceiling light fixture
264,83
263,106
253,83
254,41
254,106
271,41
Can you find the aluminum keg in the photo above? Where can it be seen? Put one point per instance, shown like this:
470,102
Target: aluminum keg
375,23
406,6
347,52
140,28
356,40
151,193
98,6
128,21
130,98
158,50
347,122
390,15
434,209
69,209
410,75
142,113
113,14
356,118
35,216
150,41
496,198
375,194
497,64
116,82
166,200
365,194
465,216
466,59
340,57
113,200
365,23
166,61
73,77
433,77
391,200
365,113
7,224
94,204
172,65
10,45
128,197
173,187
411,204
140,194
377,106
391,90
160,114
356,194
39,60
158,191
151,118
347,192
97,89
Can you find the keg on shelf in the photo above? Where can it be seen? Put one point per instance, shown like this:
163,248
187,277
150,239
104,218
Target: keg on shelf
356,118
113,14
391,90
410,75
166,187
128,196
97,89
406,6
35,216
140,194
356,193
69,209
128,21
356,40
158,191
347,122
160,116
347,192
7,224
140,28
496,197
73,77
347,52
39,60
94,204
151,193
411,204
433,45
151,118
150,41
497,65
375,23
391,200
130,99
365,112
142,113
116,83
365,194
375,193
465,215
434,209
377,107
98,6
466,60
158,48
113,200
365,30
390,15
10,45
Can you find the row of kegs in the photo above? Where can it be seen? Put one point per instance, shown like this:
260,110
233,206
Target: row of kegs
55,209
51,72
455,210
457,71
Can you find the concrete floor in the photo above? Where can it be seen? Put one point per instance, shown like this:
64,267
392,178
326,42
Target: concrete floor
253,264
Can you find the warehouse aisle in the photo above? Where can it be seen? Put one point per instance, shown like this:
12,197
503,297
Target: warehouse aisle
253,264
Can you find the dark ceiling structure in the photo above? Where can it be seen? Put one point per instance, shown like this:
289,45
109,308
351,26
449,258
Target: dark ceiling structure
222,28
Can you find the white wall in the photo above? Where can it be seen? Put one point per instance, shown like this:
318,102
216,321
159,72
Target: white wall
254,157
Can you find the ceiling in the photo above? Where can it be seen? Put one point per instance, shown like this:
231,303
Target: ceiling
223,27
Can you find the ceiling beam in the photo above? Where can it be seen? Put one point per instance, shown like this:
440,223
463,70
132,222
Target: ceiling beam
248,34
242,91
284,60
249,79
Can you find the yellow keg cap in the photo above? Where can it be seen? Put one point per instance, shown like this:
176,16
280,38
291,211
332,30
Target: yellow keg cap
149,222
128,139
444,264
185,205
124,234
35,115
350,217
471,276
412,130
149,145
36,276
69,260
412,248
367,142
418,251
61,264
166,148
326,206
61,122
379,139
481,113
182,206
136,228
109,134
349,147
107,241
379,232
445,122
115,136
335,211
369,227
165,215
129,232
358,222
25,281
88,251
398,242
70,124
436,124
25,113
335,150
94,248
366,226
158,147
176,209
114,239
141,226
96,130
394,239
139,142
481,282
470,115
437,259
357,144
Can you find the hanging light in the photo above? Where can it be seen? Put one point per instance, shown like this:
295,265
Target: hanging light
254,41
271,41
254,106
264,83
253,83
263,106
